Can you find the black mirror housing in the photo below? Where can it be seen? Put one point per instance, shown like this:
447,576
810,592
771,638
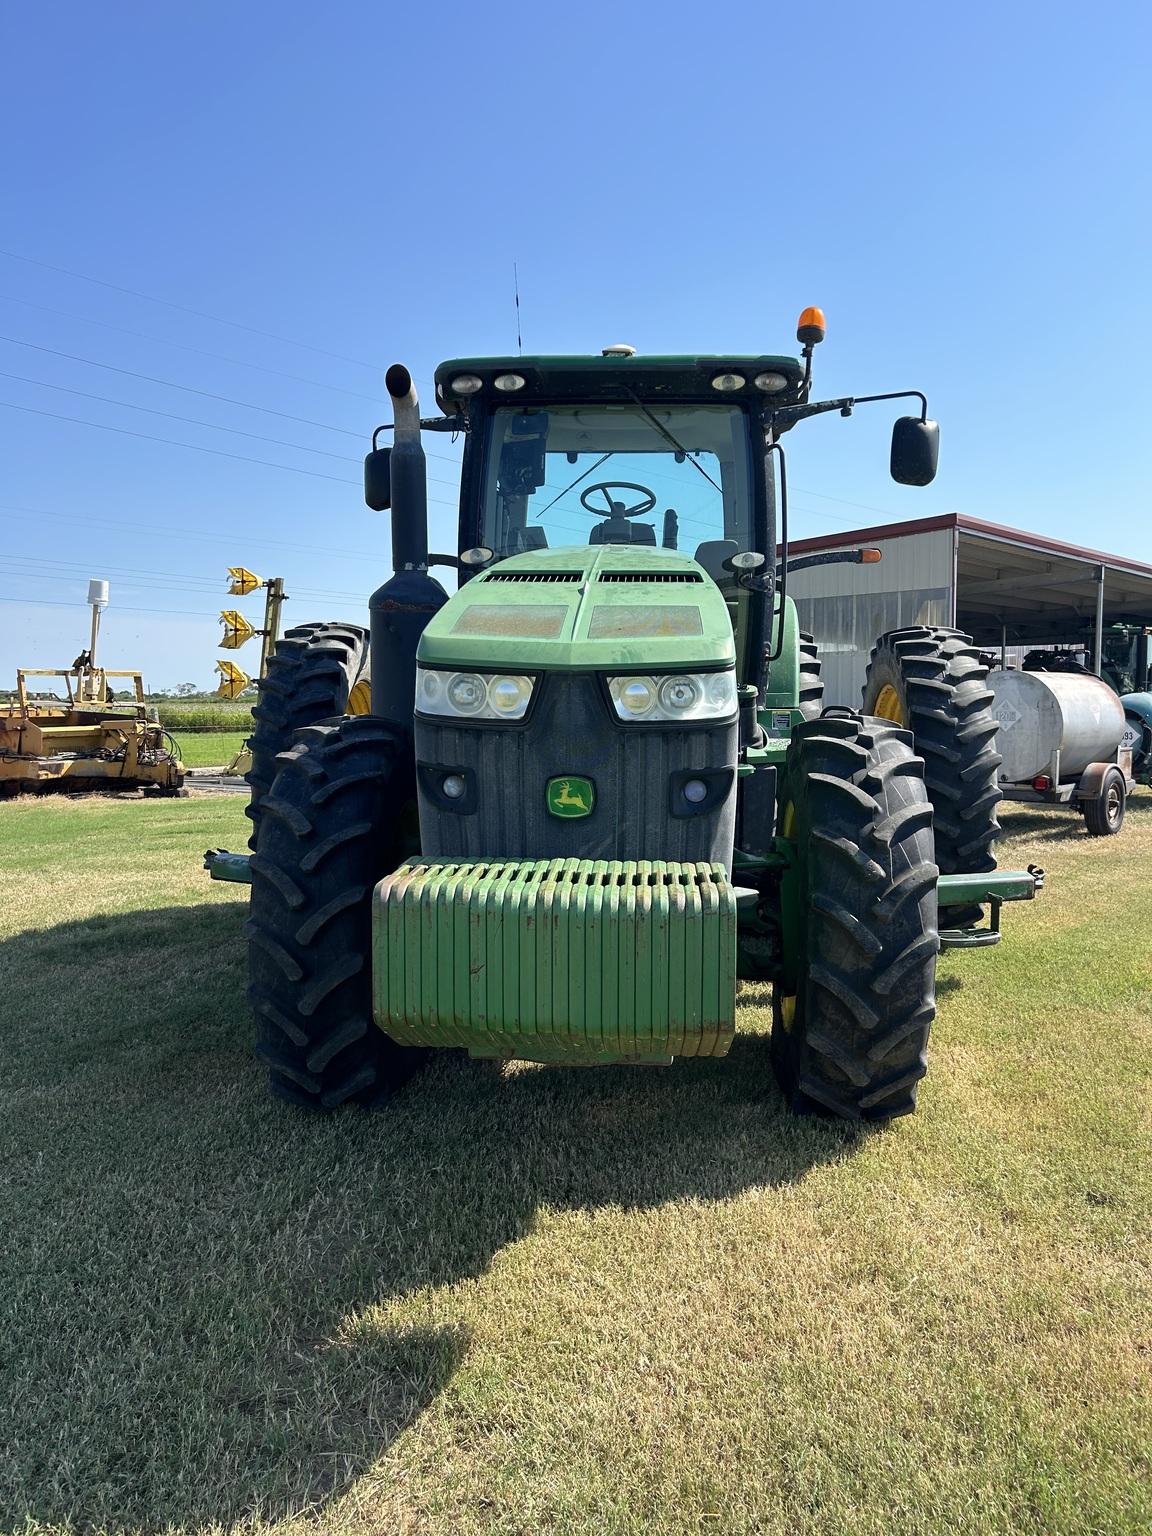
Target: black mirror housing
915,451
378,479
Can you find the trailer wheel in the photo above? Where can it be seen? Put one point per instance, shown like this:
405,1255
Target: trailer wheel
1103,817
811,691
333,824
317,672
932,682
852,1015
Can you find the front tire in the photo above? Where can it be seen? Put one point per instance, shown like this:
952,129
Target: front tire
317,672
852,1017
333,824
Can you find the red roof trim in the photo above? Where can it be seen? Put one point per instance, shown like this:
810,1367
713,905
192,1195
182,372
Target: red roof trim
965,524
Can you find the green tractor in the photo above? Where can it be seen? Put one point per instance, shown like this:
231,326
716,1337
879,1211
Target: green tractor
554,816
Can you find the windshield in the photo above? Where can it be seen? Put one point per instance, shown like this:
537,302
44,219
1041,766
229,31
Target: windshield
673,476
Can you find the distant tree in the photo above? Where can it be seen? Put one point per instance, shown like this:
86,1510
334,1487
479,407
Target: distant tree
186,690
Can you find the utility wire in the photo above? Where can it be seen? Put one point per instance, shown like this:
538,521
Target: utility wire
231,540
171,442
185,309
181,346
194,421
207,394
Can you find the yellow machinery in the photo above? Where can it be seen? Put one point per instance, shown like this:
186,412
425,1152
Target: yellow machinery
88,740
237,632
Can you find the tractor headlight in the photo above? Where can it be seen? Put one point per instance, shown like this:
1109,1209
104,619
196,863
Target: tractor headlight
473,695
677,696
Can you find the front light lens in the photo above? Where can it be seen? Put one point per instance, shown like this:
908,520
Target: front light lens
466,384
508,383
771,383
677,696
473,695
728,383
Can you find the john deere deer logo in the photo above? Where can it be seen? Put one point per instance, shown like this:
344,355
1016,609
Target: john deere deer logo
571,796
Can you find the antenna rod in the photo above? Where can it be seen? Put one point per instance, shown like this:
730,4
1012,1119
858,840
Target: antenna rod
516,286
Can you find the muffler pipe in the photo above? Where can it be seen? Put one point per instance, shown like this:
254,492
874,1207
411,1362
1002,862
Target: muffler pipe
402,607
409,474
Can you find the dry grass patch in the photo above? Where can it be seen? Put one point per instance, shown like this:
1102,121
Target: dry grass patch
549,1301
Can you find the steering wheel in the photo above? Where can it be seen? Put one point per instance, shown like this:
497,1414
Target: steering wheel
617,508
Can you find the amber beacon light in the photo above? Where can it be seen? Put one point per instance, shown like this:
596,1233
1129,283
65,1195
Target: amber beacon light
810,327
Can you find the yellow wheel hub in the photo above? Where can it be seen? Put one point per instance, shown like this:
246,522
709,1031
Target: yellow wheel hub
888,706
360,699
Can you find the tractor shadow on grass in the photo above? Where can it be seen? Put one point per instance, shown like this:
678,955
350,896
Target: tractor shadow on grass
210,1328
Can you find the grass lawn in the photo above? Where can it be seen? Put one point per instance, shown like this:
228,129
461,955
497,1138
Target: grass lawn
550,1301
208,749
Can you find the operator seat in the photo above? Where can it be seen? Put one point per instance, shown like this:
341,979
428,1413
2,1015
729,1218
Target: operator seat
712,555
622,530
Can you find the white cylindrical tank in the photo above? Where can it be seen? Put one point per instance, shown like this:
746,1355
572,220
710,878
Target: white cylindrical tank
1040,713
98,593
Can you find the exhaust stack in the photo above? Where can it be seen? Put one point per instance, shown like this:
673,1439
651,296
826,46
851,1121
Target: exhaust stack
402,607
409,474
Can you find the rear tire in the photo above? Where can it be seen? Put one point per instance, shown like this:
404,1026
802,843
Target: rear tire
850,1027
332,826
317,672
933,683
1104,817
811,684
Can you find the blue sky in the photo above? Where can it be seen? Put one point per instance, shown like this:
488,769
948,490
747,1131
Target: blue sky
963,189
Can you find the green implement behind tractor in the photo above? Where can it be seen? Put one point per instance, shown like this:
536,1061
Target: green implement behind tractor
555,815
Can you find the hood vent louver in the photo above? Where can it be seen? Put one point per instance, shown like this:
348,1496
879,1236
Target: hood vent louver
652,578
535,576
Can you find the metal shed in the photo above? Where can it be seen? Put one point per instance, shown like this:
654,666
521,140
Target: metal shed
1003,586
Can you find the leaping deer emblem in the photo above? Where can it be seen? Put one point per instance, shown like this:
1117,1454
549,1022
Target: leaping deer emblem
565,797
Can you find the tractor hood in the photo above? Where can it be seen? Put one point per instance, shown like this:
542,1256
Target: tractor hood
584,608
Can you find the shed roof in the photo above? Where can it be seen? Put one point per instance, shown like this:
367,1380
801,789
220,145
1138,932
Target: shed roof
1036,588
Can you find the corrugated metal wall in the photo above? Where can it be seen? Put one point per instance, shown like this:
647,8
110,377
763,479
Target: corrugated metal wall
847,606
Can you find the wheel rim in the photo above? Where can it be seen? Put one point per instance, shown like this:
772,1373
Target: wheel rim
888,705
360,699
1113,806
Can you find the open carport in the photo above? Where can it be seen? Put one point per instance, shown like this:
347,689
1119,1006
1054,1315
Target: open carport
1003,586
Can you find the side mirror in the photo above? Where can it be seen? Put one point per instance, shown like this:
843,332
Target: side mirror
378,479
915,451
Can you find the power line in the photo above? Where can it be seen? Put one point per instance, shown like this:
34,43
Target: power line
171,442
172,580
208,394
181,346
231,540
185,309
192,421
46,602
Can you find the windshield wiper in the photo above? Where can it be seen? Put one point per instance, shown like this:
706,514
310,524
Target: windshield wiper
668,438
575,482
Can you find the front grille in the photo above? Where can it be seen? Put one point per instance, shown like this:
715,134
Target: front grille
664,578
535,576
570,731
